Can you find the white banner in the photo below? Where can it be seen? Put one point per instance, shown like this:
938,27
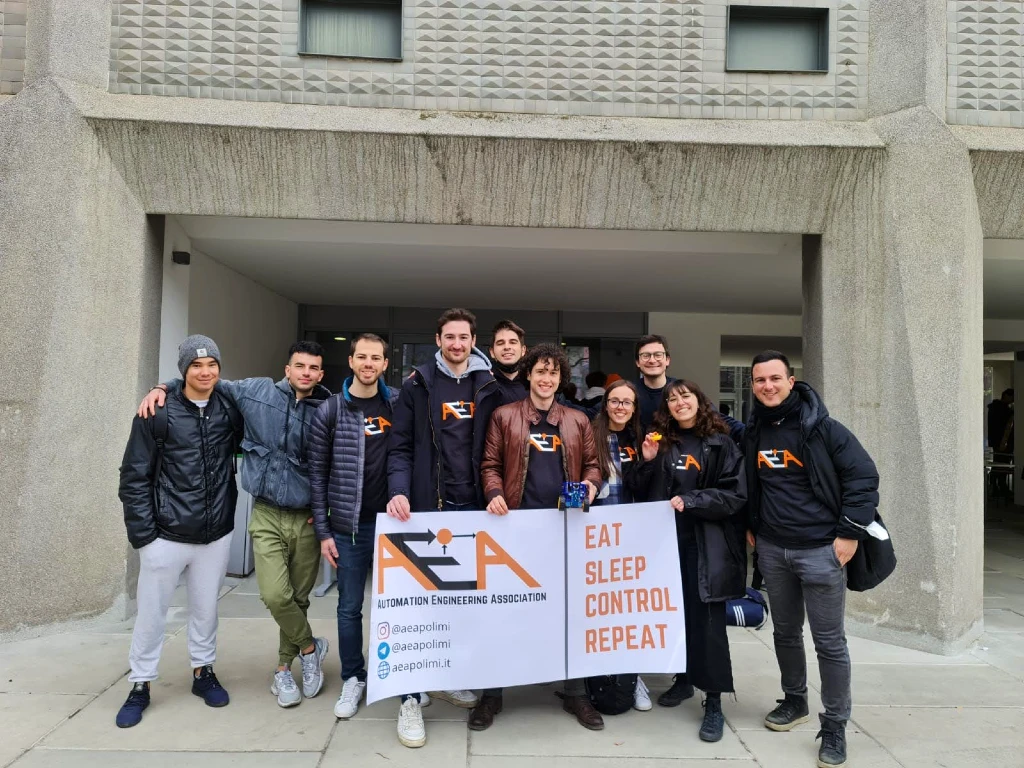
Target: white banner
625,595
472,600
467,600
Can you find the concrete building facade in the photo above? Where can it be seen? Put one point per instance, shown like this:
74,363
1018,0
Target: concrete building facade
891,168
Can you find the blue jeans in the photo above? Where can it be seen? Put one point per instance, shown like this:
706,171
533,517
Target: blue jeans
355,555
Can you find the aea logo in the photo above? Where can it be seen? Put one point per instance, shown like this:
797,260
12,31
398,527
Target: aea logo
383,650
394,550
687,462
457,410
376,425
776,459
544,442
383,670
627,454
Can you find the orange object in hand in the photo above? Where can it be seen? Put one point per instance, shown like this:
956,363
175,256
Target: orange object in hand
655,436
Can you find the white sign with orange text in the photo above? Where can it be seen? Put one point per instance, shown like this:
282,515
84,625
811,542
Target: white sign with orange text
624,591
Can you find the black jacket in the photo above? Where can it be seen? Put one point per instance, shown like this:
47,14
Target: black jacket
717,508
843,476
193,499
512,390
336,465
414,453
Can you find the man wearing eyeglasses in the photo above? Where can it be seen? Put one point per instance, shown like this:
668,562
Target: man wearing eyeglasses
653,360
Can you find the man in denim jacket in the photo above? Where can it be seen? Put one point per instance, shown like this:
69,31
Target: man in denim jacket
274,471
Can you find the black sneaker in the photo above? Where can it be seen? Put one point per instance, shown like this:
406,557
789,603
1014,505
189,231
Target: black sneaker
832,753
131,711
677,694
208,688
791,711
714,721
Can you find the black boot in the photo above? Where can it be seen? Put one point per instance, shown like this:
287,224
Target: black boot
680,691
714,721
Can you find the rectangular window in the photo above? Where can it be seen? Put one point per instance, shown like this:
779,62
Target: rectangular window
365,29
776,39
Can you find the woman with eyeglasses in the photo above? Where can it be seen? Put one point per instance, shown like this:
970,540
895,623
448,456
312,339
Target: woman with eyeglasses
617,436
690,460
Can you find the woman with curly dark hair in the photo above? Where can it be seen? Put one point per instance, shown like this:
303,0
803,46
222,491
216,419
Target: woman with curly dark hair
690,460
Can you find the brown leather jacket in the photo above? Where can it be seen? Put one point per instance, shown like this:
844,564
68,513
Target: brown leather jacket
506,456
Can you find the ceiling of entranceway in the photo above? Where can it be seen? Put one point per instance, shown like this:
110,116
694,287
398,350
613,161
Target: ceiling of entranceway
365,263
335,262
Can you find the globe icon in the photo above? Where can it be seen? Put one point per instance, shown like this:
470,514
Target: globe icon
383,670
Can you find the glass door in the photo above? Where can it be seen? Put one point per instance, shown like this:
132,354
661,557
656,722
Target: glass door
408,351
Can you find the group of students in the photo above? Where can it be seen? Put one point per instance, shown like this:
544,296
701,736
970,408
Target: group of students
468,431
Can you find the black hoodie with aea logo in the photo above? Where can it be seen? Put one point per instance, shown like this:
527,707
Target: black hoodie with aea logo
809,480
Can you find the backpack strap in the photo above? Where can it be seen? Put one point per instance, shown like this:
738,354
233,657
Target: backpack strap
332,418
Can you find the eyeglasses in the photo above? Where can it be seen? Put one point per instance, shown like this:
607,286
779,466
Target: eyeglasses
614,403
652,355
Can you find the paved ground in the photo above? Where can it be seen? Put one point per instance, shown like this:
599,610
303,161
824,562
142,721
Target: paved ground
59,695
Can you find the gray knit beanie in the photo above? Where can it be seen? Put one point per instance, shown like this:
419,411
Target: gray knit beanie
194,347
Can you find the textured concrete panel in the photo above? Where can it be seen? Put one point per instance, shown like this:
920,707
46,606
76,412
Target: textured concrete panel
896,312
639,58
13,15
984,63
81,272
907,55
69,39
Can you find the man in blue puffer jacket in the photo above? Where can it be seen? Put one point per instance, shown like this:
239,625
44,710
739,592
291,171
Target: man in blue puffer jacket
348,474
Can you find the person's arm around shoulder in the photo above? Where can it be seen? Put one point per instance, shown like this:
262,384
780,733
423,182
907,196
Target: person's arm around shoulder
492,464
858,481
400,452
137,480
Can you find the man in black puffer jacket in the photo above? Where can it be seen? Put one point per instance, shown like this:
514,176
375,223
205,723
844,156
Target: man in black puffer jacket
348,476
812,491
178,490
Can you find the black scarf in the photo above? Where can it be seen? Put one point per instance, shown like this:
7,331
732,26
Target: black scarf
783,410
508,370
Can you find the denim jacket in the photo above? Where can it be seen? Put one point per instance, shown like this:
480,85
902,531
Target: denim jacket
274,465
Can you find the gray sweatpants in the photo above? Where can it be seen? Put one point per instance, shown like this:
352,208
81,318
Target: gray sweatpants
809,581
162,563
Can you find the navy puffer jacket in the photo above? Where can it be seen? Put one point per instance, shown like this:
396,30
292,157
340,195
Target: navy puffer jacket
336,462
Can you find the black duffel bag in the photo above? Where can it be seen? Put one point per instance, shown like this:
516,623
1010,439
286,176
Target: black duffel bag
874,561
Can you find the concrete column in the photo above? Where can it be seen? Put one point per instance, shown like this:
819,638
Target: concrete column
78,334
695,342
893,340
68,39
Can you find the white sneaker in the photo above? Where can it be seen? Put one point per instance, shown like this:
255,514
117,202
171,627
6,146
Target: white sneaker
641,696
312,668
348,702
425,700
461,699
411,731
285,689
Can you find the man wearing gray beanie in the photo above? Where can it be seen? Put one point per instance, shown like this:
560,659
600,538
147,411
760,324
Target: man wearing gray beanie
274,471
196,435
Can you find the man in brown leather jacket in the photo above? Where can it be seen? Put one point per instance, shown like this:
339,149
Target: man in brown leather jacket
532,447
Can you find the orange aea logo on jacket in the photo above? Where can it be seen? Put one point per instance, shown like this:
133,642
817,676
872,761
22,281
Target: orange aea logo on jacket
776,459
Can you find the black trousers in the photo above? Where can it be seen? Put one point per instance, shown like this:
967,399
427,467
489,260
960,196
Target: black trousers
708,663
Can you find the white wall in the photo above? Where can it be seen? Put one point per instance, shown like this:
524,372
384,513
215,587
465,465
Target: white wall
252,325
695,340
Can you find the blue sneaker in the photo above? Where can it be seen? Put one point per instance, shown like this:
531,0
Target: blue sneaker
130,712
209,688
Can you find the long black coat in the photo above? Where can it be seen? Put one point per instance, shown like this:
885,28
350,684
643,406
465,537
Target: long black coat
193,499
716,506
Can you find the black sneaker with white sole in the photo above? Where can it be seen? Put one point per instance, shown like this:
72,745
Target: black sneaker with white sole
791,712
832,752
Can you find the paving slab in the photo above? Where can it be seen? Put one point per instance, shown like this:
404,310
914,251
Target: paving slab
179,720
375,743
1003,620
940,685
563,761
42,757
533,723
27,717
947,737
78,662
238,605
1005,651
799,748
